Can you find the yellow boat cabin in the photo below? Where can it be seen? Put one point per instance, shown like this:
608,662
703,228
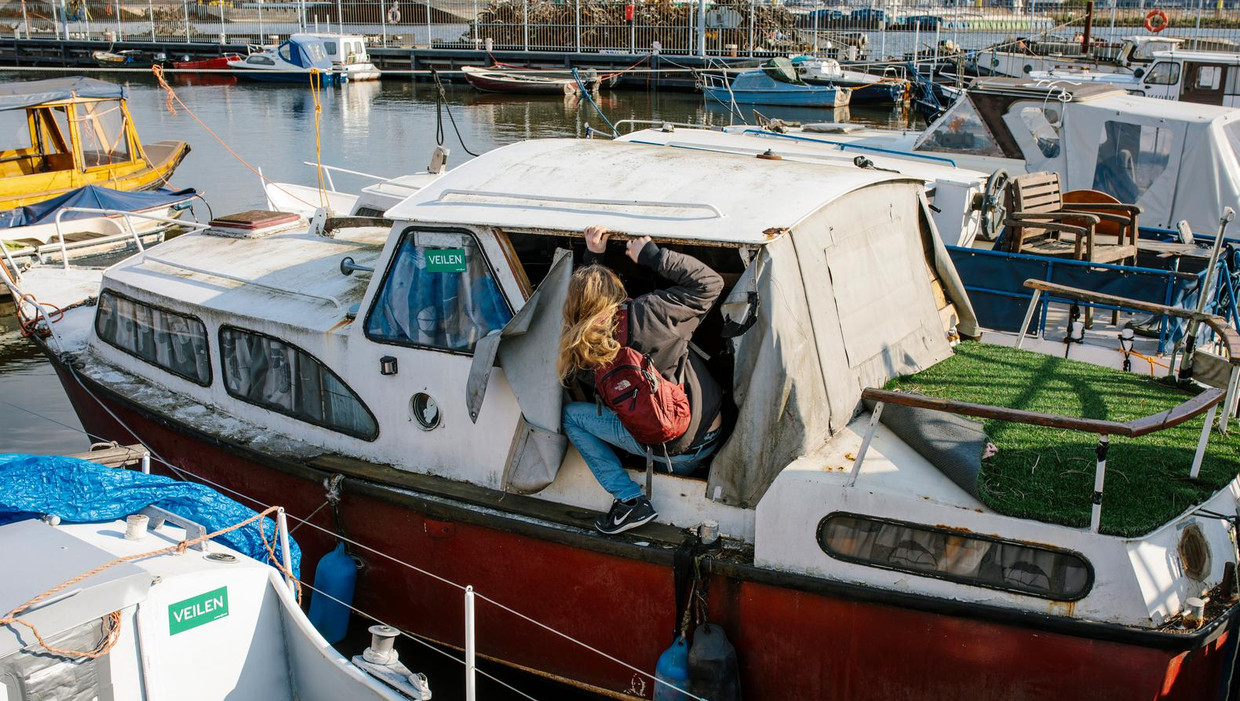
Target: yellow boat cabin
76,132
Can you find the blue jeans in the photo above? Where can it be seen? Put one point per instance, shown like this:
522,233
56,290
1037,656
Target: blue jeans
594,434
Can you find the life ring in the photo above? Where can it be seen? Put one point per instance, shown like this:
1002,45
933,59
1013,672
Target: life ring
1156,21
393,14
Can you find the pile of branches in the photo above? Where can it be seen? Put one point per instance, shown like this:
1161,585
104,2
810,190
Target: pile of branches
553,24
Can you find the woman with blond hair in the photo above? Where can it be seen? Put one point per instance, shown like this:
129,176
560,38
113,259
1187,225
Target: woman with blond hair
659,326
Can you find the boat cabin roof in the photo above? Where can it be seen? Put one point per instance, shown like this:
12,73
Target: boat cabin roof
16,96
569,184
1226,57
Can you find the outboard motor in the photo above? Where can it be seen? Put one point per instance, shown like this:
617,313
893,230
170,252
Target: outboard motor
713,670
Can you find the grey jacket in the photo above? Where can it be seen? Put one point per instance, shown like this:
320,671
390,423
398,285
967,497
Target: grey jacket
662,322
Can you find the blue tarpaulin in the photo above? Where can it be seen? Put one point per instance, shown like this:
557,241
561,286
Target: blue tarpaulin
90,197
79,491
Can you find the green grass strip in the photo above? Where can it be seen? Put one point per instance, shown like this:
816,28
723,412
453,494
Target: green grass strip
1048,474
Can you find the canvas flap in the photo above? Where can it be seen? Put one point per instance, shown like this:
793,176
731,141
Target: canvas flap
534,459
525,348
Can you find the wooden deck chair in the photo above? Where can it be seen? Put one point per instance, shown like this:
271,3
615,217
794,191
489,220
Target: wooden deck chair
1084,225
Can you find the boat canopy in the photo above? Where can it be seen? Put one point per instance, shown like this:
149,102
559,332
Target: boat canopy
16,96
90,197
305,50
837,291
1177,160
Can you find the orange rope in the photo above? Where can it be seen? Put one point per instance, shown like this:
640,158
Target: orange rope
1147,359
171,96
315,88
114,618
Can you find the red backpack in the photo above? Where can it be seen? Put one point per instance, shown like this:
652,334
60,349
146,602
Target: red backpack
652,408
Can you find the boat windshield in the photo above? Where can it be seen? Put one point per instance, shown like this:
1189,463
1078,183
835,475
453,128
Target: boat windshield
960,130
102,130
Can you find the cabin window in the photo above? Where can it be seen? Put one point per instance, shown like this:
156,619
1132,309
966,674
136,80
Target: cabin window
957,556
286,51
279,376
961,130
1208,77
1130,158
315,52
331,47
438,292
166,339
1163,73
260,59
102,131
1043,125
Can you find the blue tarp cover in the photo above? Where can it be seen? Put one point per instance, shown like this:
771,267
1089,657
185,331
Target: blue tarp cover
91,197
79,491
15,96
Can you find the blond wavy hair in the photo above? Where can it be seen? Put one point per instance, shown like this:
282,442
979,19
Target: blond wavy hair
588,341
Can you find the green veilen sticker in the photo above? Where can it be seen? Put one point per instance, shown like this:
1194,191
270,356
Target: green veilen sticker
197,610
446,260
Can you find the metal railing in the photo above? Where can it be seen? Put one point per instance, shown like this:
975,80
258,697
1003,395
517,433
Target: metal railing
724,27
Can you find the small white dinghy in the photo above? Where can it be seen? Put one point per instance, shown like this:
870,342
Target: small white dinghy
206,623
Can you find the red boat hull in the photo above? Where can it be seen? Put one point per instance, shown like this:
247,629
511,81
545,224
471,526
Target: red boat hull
796,637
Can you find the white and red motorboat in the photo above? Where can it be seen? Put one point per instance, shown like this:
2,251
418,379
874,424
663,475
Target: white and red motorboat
270,358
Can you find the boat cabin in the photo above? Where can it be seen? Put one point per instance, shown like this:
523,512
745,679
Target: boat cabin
1178,161
65,133
1205,77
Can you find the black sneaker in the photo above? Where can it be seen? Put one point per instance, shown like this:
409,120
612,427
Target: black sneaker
625,515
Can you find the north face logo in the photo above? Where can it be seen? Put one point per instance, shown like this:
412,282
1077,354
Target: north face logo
621,386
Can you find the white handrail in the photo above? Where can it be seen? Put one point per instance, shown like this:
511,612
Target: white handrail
108,214
338,169
583,200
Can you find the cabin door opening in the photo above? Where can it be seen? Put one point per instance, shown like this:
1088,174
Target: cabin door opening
1204,83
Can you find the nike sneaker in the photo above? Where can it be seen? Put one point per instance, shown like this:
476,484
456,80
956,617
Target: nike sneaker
625,515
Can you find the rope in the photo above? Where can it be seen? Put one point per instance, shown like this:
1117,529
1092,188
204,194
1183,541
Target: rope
316,86
1148,359
173,97
585,91
114,618
441,106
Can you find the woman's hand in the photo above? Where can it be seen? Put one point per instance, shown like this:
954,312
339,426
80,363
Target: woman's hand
596,239
635,246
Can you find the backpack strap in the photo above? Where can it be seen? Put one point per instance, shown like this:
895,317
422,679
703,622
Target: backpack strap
622,325
649,473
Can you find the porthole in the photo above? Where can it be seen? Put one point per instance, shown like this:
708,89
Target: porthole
424,410
1194,552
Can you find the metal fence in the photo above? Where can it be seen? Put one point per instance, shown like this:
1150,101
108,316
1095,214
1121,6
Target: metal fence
719,27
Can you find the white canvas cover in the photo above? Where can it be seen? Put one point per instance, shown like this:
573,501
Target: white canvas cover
1176,158
845,302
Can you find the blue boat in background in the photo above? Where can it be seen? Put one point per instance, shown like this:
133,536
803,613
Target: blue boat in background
290,62
774,84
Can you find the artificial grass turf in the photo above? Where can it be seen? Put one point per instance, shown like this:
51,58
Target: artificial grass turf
1048,474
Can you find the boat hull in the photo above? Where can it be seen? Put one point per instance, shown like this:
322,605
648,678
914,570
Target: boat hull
796,636
526,83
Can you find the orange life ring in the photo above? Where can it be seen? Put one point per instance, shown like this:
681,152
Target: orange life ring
1160,24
